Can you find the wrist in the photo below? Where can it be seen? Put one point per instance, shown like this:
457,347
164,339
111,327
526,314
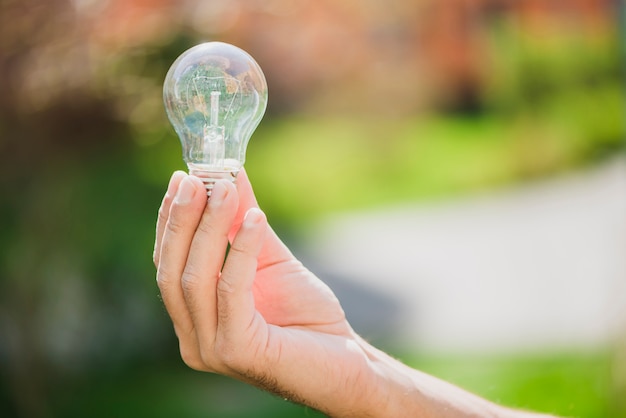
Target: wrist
394,391
398,390
386,389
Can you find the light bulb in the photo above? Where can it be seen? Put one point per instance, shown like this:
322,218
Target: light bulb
215,95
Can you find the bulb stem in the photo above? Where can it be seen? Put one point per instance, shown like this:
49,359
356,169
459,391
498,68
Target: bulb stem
215,107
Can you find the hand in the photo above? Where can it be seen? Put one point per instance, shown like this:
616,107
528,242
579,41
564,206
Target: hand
261,317
258,316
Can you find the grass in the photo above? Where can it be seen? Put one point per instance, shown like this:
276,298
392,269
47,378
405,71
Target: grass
568,384
306,167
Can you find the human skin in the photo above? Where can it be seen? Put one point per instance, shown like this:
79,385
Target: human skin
255,313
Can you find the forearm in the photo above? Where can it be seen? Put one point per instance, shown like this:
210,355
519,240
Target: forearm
403,391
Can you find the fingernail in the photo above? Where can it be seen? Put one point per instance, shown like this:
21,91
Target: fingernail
176,175
186,191
253,217
218,193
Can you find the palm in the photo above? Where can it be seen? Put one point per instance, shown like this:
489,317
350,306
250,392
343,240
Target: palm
303,323
287,294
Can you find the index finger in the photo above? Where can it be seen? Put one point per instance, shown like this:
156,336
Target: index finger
164,213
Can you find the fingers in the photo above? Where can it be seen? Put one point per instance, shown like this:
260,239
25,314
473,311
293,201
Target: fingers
184,216
204,297
164,212
235,301
205,260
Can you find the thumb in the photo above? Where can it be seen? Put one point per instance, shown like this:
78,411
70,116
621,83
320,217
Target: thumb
235,300
273,250
247,200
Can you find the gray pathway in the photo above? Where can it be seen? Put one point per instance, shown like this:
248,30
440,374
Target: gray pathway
541,265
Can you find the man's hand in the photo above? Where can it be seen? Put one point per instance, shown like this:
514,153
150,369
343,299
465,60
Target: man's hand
255,313
252,312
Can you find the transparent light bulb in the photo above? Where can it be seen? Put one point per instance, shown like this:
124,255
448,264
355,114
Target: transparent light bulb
215,95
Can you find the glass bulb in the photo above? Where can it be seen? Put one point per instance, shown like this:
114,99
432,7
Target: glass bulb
215,95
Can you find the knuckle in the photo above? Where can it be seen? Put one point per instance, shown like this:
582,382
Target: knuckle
206,226
164,281
178,219
208,357
225,288
156,256
175,225
190,280
228,355
161,280
231,356
239,249
163,213
192,359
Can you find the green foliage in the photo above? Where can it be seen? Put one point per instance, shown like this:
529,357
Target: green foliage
307,167
170,391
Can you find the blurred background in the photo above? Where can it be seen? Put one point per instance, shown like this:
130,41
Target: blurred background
454,170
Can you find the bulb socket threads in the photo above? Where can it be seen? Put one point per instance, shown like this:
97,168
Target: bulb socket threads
209,176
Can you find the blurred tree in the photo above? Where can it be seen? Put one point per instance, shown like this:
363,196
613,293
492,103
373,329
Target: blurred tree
65,178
